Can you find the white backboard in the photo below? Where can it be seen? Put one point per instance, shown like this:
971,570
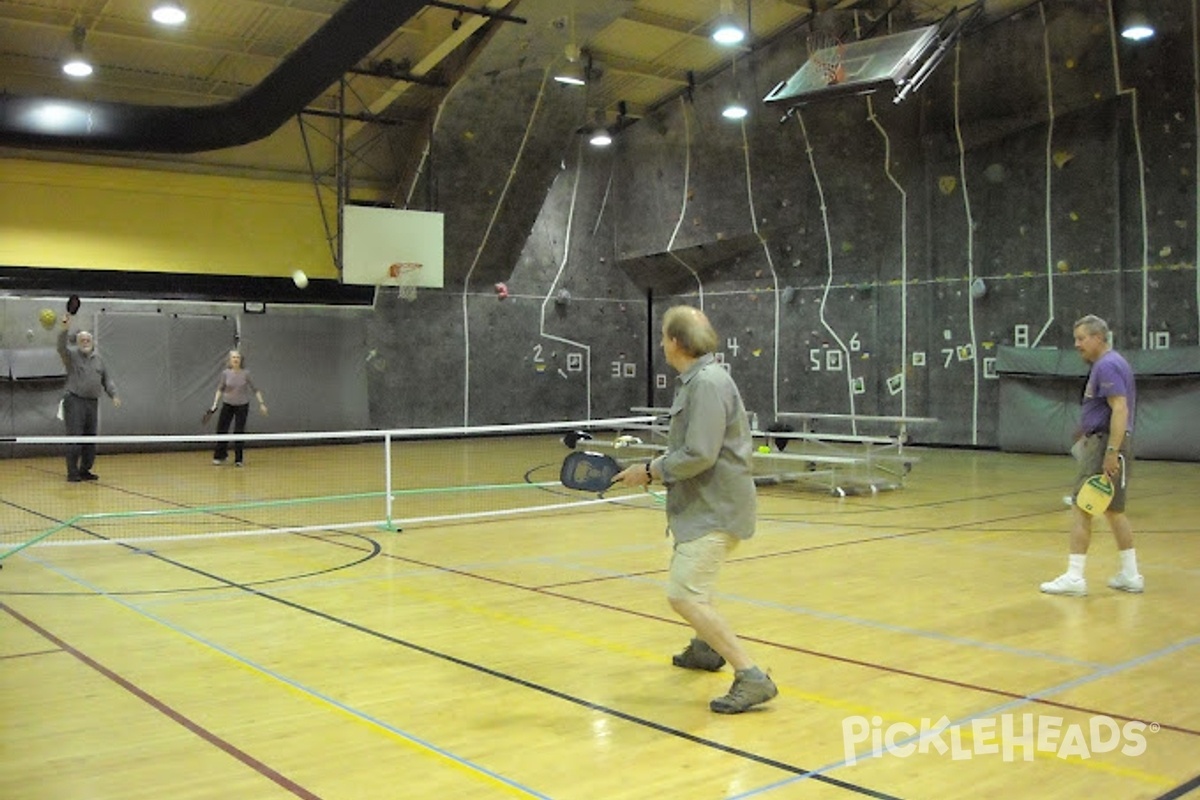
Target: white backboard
380,246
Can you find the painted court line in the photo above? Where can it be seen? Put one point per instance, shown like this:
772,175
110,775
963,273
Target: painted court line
999,709
417,742
180,719
835,617
563,696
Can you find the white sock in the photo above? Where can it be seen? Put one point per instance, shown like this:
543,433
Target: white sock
1128,562
1075,563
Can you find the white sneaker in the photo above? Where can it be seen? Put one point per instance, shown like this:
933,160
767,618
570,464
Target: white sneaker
1123,583
1065,584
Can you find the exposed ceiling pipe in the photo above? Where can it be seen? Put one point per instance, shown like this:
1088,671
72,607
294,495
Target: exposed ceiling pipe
342,42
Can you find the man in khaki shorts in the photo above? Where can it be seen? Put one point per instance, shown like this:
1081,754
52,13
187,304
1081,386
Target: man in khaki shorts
1106,427
711,501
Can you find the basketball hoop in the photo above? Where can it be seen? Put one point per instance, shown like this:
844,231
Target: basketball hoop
402,275
826,51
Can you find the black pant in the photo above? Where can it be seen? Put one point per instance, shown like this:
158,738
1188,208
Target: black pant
81,417
237,415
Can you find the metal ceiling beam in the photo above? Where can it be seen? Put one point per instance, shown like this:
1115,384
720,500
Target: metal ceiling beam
428,62
623,65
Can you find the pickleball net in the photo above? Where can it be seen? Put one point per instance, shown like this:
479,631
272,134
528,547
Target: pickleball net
167,488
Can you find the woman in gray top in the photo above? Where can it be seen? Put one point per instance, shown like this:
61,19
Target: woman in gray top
233,395
711,502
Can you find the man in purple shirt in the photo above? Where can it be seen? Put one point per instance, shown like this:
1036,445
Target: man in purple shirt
1106,428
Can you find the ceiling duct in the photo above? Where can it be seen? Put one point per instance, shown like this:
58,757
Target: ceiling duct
343,41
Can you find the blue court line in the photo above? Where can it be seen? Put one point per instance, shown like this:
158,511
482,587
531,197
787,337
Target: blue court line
578,701
1000,709
569,563
350,710
282,587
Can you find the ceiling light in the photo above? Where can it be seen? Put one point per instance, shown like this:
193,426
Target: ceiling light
58,117
1137,33
600,138
571,75
735,110
77,65
168,14
574,73
728,32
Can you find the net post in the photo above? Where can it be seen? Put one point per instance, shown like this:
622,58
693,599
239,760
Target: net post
389,498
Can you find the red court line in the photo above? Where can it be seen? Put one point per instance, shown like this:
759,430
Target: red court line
550,592
152,701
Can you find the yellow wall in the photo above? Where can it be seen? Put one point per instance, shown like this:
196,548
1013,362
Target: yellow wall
93,217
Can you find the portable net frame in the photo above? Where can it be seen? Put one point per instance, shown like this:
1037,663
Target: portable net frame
167,489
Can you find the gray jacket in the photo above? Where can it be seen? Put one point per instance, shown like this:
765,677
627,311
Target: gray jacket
87,375
706,468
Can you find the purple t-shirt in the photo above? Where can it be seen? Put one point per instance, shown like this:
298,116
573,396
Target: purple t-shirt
1111,376
236,387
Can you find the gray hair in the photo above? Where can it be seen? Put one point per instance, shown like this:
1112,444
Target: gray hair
1092,324
691,330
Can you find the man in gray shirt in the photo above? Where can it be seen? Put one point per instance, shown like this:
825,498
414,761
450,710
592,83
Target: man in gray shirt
87,376
711,503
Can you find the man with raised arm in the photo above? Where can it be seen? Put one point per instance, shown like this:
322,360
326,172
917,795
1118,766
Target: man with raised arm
87,377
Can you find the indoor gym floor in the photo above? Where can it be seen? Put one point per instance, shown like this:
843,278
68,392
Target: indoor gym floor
529,656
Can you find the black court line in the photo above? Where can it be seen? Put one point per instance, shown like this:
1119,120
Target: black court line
1181,789
283,782
530,685
373,550
1184,789
549,591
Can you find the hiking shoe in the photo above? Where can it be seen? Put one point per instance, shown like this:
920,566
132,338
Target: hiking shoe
1123,583
698,655
1065,584
745,693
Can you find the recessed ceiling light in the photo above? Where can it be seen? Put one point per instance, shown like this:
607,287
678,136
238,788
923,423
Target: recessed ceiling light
168,14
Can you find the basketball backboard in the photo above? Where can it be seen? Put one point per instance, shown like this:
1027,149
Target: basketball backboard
391,247
900,61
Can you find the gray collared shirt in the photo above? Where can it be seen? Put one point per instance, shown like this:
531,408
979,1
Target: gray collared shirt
706,468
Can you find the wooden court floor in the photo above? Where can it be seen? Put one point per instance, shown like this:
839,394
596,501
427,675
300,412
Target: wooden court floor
529,655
